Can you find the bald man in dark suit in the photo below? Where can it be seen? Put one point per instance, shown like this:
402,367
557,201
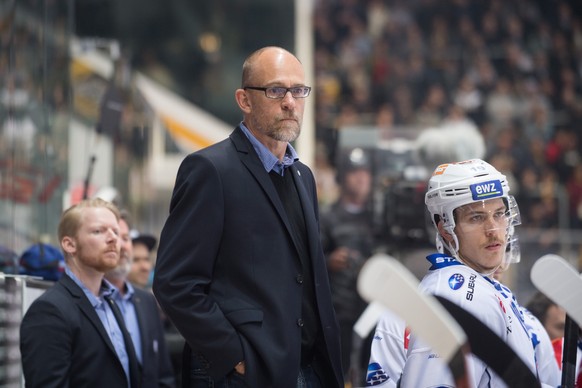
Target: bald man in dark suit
240,269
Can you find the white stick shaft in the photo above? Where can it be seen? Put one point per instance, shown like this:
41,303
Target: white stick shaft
385,280
561,282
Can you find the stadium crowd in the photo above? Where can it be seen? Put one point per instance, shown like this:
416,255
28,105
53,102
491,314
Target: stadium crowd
513,68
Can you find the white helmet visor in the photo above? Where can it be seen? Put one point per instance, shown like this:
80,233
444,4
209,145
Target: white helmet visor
494,220
483,217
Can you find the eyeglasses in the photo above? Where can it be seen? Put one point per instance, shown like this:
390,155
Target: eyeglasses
280,92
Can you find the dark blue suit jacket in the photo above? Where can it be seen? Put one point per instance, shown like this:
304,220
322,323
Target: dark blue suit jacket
157,370
228,273
64,344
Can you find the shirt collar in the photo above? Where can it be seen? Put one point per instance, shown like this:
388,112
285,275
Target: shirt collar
440,260
270,161
106,289
129,291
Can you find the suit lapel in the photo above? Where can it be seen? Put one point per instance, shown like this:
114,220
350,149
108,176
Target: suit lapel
142,321
311,227
87,309
250,159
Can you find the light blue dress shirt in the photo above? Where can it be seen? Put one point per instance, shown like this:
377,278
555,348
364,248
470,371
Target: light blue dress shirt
127,308
106,316
270,161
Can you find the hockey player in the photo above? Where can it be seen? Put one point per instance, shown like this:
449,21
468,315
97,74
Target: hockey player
547,368
388,351
474,215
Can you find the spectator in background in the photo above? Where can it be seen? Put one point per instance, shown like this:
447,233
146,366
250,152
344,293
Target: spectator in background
552,317
515,63
8,261
562,153
549,371
433,107
501,104
142,317
469,97
325,177
69,336
347,235
384,118
140,273
574,189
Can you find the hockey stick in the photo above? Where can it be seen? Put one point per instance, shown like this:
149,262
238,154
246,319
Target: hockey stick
383,277
385,280
491,349
569,353
368,319
561,282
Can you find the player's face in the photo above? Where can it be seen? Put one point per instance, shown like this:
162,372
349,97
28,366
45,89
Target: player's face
481,228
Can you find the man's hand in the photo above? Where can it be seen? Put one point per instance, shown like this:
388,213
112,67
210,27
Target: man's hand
339,259
240,368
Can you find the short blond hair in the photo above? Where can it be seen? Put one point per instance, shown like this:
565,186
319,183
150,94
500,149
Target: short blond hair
71,218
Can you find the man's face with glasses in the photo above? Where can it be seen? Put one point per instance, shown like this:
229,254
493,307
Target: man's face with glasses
276,97
277,93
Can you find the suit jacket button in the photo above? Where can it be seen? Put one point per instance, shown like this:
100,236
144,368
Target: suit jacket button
299,279
300,322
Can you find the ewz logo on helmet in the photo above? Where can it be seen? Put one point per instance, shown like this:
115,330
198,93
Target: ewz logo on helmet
484,190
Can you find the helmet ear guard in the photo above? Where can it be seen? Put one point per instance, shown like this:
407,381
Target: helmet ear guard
513,249
444,230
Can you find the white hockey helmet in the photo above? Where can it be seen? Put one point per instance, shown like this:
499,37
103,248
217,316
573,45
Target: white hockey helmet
453,185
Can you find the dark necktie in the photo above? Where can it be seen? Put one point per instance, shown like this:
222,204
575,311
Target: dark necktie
134,372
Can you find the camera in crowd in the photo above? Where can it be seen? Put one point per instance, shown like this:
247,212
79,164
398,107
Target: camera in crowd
401,161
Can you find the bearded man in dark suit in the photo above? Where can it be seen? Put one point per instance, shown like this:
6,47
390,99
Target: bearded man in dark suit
240,270
69,336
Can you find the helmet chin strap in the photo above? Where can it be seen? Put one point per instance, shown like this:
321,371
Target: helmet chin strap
443,243
451,246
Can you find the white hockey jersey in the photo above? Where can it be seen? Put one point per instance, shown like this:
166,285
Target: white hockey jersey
388,351
488,300
548,369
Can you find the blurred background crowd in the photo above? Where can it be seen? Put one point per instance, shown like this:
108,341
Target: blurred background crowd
412,82
391,76
512,68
